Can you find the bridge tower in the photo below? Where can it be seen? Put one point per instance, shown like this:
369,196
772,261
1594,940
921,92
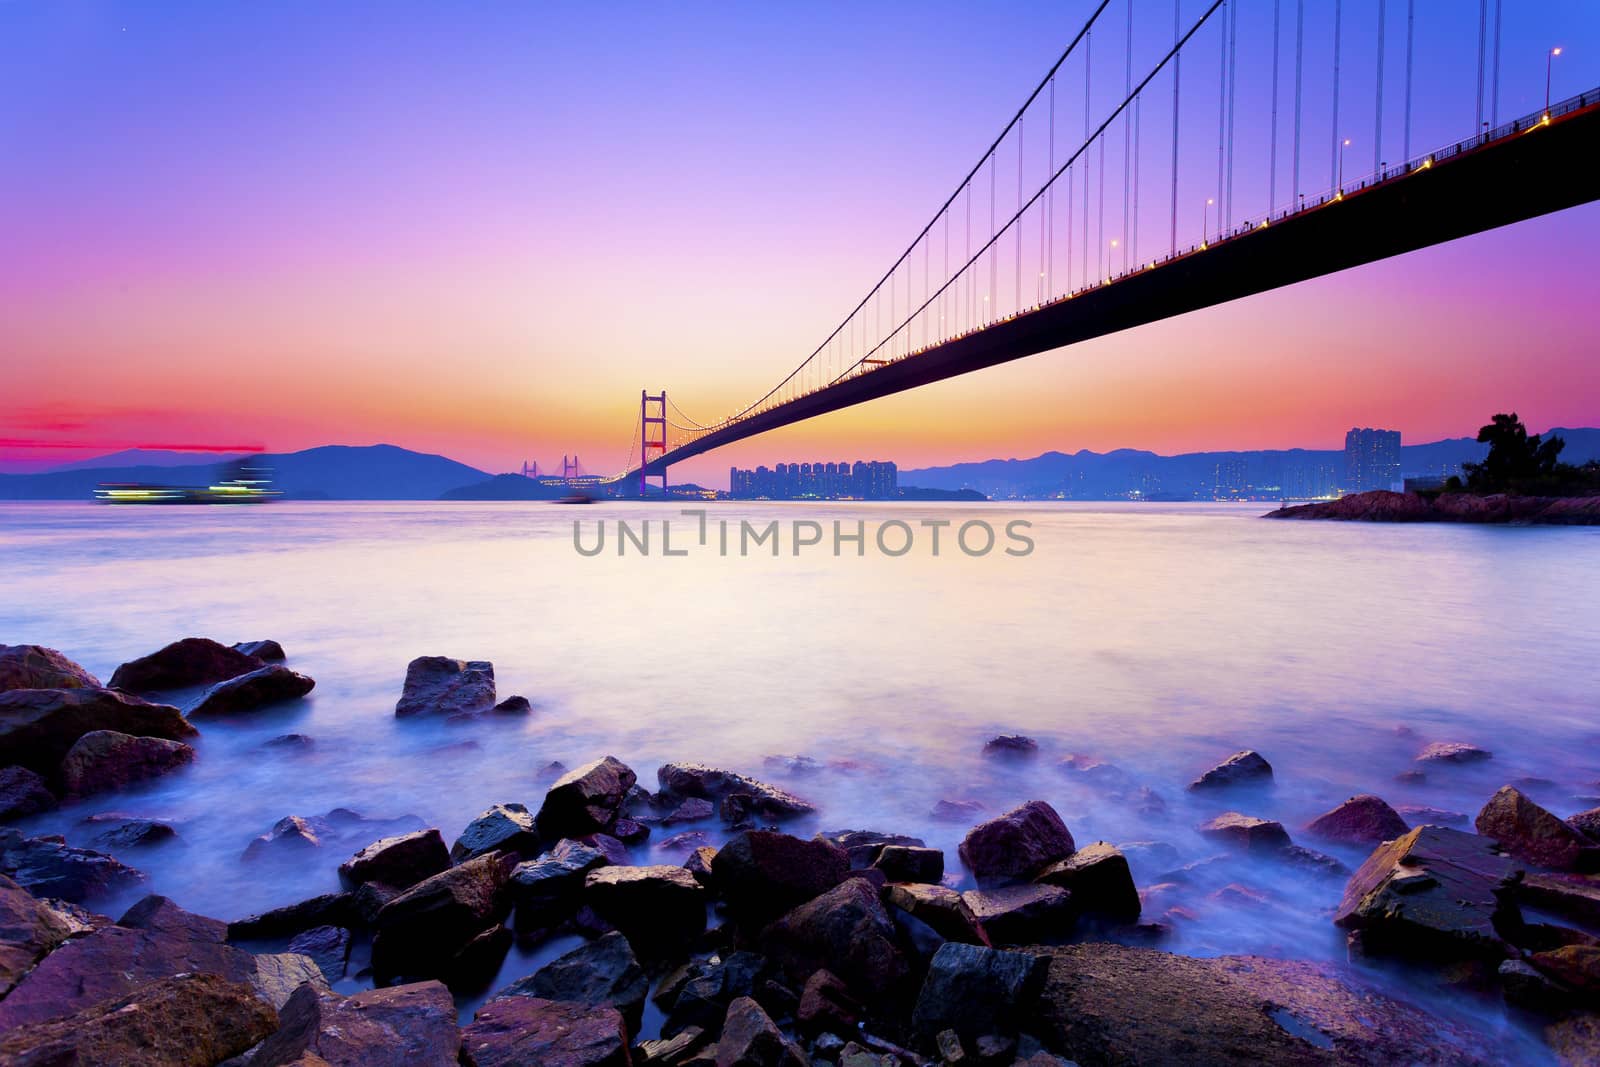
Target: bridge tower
646,443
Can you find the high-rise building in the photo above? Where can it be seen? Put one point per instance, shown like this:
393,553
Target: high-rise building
1371,460
819,480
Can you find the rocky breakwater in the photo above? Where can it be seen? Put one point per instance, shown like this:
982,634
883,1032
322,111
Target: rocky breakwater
1382,505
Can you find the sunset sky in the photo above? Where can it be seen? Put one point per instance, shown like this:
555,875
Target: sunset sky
481,229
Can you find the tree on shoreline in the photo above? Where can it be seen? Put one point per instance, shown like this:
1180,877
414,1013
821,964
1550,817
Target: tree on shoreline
1522,463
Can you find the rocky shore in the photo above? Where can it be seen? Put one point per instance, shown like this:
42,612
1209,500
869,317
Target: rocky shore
1383,506
849,948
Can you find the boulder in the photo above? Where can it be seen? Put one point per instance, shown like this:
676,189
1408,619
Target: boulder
1453,752
39,726
909,863
826,1006
279,974
519,1031
329,909
104,760
1241,768
119,832
401,861
190,662
271,684
956,811
327,946
1246,832
585,800
478,962
1575,966
1419,815
1572,896
23,793
514,705
37,667
1533,835
1094,770
546,890
680,780
700,863
940,907
659,909
751,1039
1011,746
154,939
268,651
846,930
29,929
600,972
289,836
295,742
49,867
1586,822
438,685
1106,1003
863,846
1100,882
691,810
1022,914
1361,820
188,1020
401,1026
419,932
762,874
1433,895
1015,846
504,827
973,990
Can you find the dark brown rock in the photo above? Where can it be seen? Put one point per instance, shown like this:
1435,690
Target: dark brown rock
762,874
1246,832
597,973
438,685
419,932
659,909
1022,914
401,1026
327,946
973,991
329,909
521,1031
1100,882
1572,896
909,863
1533,835
103,760
1241,768
751,1039
864,846
189,662
268,651
1586,823
826,1006
1015,846
39,726
1575,966
585,800
120,832
29,929
700,863
23,793
547,889
503,828
846,930
401,861
49,867
190,1020
1361,820
37,667
758,798
271,684
941,908
1011,746
289,836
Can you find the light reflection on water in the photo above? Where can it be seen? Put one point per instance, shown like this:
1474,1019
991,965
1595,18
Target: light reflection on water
1160,637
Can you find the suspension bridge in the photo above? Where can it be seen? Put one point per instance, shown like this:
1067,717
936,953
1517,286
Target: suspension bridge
1079,219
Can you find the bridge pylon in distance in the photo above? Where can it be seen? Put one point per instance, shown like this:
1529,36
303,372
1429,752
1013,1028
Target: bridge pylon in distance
647,403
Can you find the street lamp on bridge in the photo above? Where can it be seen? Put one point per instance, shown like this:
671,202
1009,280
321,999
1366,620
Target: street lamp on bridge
1205,220
1548,60
1339,192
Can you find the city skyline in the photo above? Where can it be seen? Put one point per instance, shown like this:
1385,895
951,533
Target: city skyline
490,261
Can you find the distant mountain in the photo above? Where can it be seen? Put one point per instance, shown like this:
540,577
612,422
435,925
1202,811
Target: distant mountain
331,472
148,457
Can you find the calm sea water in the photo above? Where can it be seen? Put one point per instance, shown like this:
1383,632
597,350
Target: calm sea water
1161,638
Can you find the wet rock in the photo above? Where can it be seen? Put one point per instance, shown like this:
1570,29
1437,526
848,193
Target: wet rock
629,832
279,974
294,741
1586,823
1572,896
1011,746
1241,768
1246,832
123,833
192,661
599,972
909,863
1419,815
1311,860
290,835
940,907
659,909
29,928
37,667
329,909
368,899
1432,895
1100,882
23,793
683,780
103,760
762,874
519,1031
1453,752
401,1026
418,933
188,1019
477,962
39,726
863,846
613,850
1022,914
972,991
672,1051
1361,820
49,867
1530,989
401,861
846,930
1533,835
438,685
1113,1004
700,863
514,705
826,1006
547,889
586,800
692,810
751,1039
267,651
1016,845
1575,966
957,811
504,827
265,685
327,946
